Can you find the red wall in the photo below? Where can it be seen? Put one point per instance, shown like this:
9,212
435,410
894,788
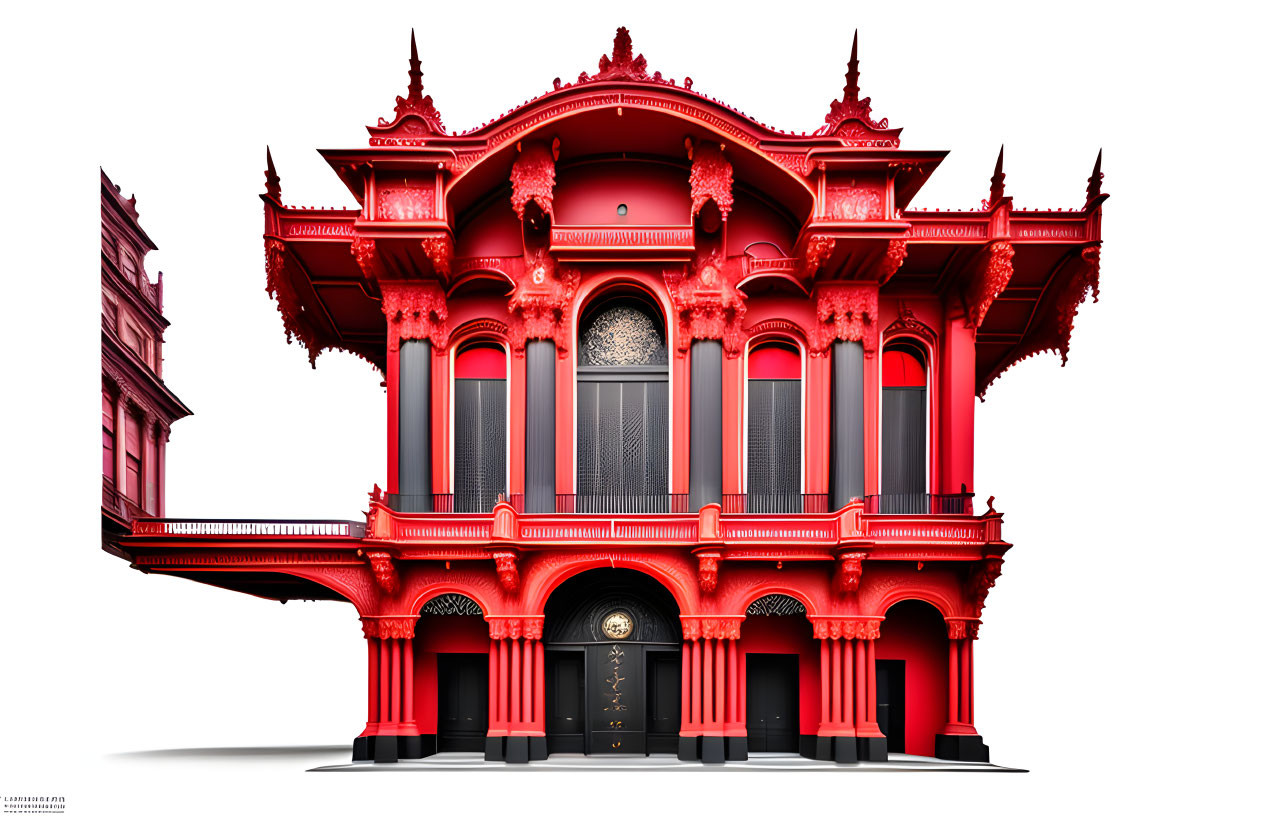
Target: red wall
440,634
589,194
914,631
789,634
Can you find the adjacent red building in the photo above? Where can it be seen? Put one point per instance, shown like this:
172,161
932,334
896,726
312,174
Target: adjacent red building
680,425
137,408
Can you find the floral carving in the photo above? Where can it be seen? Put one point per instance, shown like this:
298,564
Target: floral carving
816,251
846,312
990,282
707,304
711,627
621,65
396,627
963,628
893,258
415,311
406,204
708,571
383,570
532,178
507,569
415,114
907,323
982,578
837,628
366,253
850,572
541,303
853,203
438,250
711,177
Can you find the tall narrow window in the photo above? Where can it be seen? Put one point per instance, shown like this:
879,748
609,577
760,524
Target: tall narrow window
132,483
773,429
478,428
107,437
622,409
904,461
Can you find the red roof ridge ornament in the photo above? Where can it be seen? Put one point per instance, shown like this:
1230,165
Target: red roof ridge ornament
850,118
272,181
620,65
415,115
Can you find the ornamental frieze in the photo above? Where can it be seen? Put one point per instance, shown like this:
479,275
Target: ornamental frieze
854,203
516,627
711,627
845,628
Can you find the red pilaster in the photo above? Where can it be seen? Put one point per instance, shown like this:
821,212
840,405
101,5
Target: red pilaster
817,424
689,726
393,420
961,708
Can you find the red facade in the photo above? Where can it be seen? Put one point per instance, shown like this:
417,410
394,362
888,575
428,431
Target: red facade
137,408
680,425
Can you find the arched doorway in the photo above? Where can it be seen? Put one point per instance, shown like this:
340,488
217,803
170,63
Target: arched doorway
781,676
612,665
450,666
911,674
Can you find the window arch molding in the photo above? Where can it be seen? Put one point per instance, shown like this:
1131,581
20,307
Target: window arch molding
907,334
477,334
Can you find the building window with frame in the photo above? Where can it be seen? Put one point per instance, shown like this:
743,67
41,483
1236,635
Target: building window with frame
131,270
774,447
479,421
107,437
904,422
132,481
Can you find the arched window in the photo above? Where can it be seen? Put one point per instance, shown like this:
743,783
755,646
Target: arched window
478,427
622,408
773,429
904,459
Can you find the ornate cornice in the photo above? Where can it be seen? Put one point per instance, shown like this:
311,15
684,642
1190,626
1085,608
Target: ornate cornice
280,288
415,311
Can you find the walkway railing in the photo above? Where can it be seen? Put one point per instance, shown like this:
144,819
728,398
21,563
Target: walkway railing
775,503
248,526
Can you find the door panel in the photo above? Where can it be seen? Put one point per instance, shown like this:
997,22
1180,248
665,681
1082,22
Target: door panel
463,701
773,702
889,699
663,702
616,698
564,701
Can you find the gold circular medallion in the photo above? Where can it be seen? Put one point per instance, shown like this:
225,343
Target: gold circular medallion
617,625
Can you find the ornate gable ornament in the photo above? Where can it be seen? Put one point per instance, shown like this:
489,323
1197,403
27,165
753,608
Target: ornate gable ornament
707,304
415,115
907,323
850,119
541,303
620,65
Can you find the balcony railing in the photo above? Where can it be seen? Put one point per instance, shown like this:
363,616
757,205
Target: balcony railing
248,526
613,503
775,503
919,503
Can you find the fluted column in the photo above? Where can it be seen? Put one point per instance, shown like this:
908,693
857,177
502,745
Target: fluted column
959,739
848,731
711,677
391,732
516,689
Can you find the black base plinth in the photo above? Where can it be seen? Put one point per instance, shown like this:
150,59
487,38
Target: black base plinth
360,749
416,747
968,748
494,749
844,749
808,746
735,748
383,748
712,750
872,749
537,748
687,749
517,749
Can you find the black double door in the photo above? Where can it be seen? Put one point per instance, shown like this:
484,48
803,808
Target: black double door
613,698
463,701
773,702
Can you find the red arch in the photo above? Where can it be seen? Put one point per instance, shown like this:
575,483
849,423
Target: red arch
430,591
542,581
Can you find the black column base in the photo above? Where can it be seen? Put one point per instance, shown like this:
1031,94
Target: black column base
537,748
414,748
808,747
384,748
712,750
494,749
360,750
735,748
829,749
967,748
872,749
687,749
517,749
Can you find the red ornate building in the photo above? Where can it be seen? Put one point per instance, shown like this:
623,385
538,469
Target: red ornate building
137,408
680,425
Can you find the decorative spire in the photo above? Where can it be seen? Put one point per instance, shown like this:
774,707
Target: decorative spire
620,65
998,189
417,106
851,89
1094,190
272,181
854,108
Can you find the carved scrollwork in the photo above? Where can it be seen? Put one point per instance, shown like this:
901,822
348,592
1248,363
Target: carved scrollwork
415,311
383,570
982,578
848,313
711,177
850,571
541,303
708,571
707,304
842,628
990,282
711,627
507,569
532,178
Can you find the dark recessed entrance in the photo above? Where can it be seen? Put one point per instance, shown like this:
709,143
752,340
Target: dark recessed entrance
889,698
463,701
612,665
773,702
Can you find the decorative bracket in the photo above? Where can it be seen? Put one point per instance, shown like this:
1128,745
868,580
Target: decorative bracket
532,177
383,570
507,569
708,571
711,177
541,303
989,282
415,311
982,578
846,312
707,304
850,571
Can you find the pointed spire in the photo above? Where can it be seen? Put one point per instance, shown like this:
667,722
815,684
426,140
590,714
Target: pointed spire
997,190
272,181
851,90
1094,190
414,68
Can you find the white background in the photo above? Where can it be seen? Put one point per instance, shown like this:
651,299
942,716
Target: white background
1119,659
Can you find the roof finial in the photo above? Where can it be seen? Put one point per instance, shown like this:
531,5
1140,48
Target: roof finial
272,181
998,189
1094,190
414,67
851,90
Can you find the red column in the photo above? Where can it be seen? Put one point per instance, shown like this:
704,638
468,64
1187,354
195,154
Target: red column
502,693
395,680
871,695
687,717
516,653
825,683
494,688
953,713
961,714
374,710
968,684
836,682
849,721
707,683
720,685
540,687
407,646
384,681
734,716
696,685
529,662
